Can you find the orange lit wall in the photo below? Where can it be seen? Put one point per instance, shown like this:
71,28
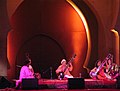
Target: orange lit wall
55,19
107,13
57,26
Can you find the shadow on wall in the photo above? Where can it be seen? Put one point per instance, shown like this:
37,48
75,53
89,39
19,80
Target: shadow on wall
45,53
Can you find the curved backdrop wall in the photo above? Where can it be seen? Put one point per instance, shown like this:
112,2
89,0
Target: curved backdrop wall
65,31
63,28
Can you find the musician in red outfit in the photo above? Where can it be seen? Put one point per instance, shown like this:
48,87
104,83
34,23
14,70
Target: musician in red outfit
111,71
100,75
105,70
64,69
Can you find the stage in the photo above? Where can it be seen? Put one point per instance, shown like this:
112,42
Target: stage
88,83
58,85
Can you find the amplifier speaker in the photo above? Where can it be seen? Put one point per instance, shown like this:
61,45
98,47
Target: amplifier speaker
118,82
30,83
76,83
4,83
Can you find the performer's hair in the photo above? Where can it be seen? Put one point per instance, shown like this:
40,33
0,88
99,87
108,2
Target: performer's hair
111,59
97,62
26,61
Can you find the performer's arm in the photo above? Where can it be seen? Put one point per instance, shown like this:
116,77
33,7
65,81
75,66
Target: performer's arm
70,67
58,70
94,69
31,69
22,73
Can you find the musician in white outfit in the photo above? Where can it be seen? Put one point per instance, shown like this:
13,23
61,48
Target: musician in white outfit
65,69
25,72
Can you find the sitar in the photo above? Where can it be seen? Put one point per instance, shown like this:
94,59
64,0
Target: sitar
61,74
94,74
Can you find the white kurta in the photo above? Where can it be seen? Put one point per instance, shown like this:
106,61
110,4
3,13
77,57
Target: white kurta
26,72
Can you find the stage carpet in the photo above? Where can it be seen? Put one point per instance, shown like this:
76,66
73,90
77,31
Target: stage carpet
89,83
63,85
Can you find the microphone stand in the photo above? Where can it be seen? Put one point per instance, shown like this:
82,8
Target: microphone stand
50,68
50,72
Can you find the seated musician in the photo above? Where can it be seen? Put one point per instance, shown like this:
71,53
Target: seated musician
100,75
111,71
26,72
106,70
63,68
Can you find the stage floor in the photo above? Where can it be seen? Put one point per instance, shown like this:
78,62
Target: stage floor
62,85
88,83
11,89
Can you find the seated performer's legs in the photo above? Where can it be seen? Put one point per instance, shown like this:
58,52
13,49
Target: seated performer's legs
67,76
18,84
